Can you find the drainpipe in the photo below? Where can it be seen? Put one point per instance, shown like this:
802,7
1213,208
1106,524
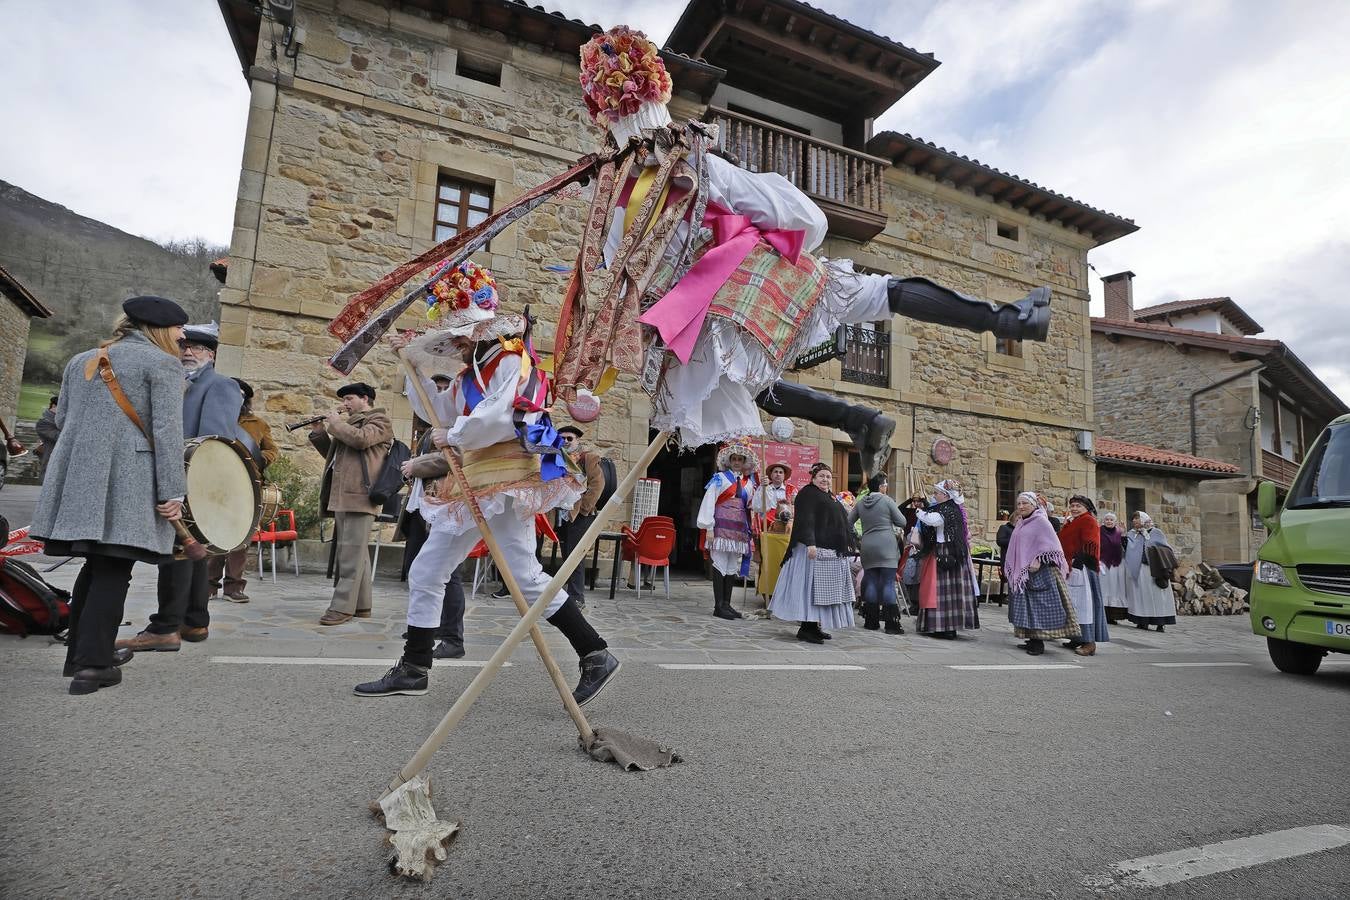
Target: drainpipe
1218,384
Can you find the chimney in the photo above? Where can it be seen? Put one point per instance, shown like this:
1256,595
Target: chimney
1119,292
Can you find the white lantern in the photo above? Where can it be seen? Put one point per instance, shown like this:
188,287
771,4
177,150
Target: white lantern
781,428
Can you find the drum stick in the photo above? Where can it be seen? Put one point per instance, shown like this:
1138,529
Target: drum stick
503,566
191,547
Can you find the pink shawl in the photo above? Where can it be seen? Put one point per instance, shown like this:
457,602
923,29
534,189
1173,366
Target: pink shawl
1033,538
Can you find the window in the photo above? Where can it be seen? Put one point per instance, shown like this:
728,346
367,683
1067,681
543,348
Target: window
867,354
486,71
1134,502
460,205
1006,231
1008,480
847,468
1008,347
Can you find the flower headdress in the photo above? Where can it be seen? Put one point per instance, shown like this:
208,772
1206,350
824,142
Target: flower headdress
621,71
468,284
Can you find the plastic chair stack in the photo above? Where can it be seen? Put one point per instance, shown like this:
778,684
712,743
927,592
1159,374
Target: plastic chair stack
651,545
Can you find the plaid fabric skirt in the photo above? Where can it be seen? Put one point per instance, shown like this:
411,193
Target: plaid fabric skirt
795,596
1042,608
955,600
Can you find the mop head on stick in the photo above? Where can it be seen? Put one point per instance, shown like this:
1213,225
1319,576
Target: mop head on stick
629,752
419,840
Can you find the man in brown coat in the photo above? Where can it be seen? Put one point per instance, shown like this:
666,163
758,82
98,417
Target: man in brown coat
355,448
572,524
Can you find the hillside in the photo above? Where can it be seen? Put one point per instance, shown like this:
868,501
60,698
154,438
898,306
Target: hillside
83,269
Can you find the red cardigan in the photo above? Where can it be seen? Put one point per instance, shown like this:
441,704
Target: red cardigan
1080,539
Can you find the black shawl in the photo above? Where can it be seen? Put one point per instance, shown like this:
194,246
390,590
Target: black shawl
819,520
953,551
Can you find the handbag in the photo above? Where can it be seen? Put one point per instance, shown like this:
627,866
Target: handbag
384,490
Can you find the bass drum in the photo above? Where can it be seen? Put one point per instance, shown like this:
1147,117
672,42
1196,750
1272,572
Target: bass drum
271,503
223,493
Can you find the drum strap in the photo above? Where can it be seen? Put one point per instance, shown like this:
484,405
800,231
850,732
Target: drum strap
103,366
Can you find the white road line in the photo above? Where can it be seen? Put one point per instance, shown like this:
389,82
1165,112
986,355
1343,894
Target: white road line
1011,668
1225,856
719,667
1213,665
331,661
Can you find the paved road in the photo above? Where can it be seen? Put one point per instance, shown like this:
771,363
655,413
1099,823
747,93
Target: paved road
899,777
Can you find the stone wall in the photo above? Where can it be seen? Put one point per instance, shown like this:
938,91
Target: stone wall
13,348
338,184
1172,501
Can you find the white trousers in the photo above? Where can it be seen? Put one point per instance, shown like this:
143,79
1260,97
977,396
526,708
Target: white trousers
443,552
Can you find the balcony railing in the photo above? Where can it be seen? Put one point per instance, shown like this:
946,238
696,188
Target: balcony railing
847,184
867,356
1278,469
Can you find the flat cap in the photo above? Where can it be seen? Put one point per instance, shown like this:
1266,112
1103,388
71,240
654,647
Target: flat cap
360,388
208,334
572,430
159,312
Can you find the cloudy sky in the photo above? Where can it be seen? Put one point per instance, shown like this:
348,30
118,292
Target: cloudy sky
1220,127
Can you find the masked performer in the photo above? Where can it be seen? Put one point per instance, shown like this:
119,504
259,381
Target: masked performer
725,517
734,301
513,463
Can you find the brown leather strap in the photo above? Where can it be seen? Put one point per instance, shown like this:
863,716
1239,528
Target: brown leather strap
104,367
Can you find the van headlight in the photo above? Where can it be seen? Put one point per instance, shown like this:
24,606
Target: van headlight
1271,573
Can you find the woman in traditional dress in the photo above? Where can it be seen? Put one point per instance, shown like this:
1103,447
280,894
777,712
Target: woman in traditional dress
909,556
1038,606
725,518
1079,537
1112,543
946,586
115,481
1151,603
814,586
880,519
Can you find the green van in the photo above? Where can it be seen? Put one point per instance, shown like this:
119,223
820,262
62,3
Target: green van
1300,598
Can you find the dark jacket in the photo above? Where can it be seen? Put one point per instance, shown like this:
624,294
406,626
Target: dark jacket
211,404
1162,562
819,520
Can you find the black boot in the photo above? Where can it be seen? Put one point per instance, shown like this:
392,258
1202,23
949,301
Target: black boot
597,669
1035,647
892,616
810,633
404,678
729,591
918,298
871,616
720,609
869,430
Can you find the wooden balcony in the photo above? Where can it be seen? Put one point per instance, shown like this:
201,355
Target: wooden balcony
1278,469
846,184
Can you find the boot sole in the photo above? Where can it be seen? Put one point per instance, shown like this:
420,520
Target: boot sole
604,684
173,649
80,688
409,692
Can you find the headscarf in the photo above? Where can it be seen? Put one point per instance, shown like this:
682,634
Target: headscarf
1091,507
1112,541
1145,518
1033,539
952,488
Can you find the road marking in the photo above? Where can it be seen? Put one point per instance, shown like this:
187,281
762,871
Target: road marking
720,667
1010,668
1213,665
331,661
1225,856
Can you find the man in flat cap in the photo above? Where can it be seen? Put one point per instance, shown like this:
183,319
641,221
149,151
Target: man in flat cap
211,406
355,439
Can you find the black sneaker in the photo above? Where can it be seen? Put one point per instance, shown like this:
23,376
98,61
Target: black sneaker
404,678
597,670
445,650
500,593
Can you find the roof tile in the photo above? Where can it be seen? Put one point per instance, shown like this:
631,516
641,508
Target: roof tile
1125,451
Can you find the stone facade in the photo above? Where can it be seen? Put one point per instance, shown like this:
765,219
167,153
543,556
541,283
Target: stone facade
13,349
338,184
1174,502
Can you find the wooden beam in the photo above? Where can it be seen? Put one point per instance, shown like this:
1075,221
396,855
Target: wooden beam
711,36
789,24
813,34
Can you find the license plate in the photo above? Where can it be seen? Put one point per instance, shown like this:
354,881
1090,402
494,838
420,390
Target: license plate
1338,629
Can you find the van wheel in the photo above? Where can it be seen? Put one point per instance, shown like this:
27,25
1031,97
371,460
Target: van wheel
1296,659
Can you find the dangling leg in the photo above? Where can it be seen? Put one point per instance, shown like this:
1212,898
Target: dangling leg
1027,319
869,430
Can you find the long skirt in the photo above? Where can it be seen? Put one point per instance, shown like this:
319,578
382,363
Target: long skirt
955,591
1042,608
1097,632
794,597
1150,604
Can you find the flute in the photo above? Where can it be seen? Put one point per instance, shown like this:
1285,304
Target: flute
310,421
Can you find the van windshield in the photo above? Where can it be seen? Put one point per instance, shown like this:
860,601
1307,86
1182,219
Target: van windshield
1325,477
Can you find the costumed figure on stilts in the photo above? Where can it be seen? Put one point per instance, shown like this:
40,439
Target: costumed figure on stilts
715,261
513,462
725,516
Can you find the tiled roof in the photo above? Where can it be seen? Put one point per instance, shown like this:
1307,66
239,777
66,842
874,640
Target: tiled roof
23,298
1159,331
1225,305
929,159
1124,451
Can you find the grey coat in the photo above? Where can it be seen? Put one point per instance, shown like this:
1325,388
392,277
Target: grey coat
103,480
211,404
880,517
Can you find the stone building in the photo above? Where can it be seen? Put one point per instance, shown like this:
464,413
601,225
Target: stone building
18,308
1191,378
378,128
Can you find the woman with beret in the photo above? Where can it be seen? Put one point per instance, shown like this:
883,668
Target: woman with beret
815,587
113,488
881,520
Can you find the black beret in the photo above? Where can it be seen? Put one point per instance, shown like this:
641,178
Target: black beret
571,429
156,311
442,377
245,387
360,388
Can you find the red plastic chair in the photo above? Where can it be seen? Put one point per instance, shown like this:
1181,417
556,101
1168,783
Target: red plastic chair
273,536
650,545
480,552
